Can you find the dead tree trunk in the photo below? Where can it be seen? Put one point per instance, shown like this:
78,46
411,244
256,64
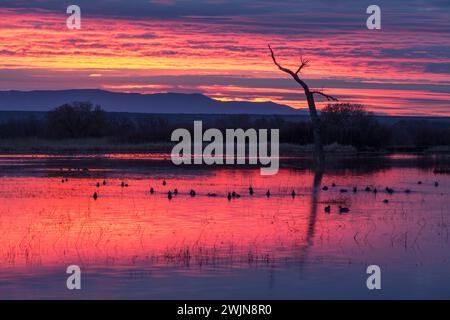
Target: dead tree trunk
319,157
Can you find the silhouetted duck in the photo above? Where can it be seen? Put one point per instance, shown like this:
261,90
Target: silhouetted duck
122,184
343,190
389,190
419,182
293,194
175,192
367,189
343,209
164,182
327,209
407,191
95,196
268,193
436,184
169,195
237,195
250,191
385,201
152,191
66,179
212,195
98,184
62,180
229,196
375,190
324,188
104,182
192,193
355,190
333,184
233,194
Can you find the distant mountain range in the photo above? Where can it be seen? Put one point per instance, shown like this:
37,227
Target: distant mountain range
43,100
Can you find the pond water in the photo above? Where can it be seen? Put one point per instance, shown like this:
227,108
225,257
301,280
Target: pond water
131,243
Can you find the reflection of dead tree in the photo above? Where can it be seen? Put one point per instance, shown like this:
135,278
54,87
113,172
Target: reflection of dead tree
318,147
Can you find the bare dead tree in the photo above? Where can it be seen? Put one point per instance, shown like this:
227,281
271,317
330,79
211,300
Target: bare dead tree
318,146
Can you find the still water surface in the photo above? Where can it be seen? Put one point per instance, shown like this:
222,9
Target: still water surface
130,243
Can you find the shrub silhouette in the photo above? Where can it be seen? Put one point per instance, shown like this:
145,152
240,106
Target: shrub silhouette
77,120
351,124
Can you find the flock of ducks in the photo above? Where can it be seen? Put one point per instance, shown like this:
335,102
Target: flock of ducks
388,190
233,195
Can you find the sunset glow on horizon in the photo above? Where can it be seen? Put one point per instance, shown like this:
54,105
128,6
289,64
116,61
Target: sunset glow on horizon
402,69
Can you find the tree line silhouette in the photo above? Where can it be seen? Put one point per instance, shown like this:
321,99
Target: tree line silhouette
346,124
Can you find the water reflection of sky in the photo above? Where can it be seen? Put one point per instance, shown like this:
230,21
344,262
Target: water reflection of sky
132,244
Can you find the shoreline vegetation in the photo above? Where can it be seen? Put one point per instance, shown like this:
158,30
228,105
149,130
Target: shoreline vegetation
89,146
346,129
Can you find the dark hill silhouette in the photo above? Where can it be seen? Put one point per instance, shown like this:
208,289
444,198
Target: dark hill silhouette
179,103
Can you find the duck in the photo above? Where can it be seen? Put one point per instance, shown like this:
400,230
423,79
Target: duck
419,182
169,195
268,193
436,184
389,190
95,196
324,188
343,190
192,193
104,182
122,184
375,190
368,189
175,191
250,191
98,184
233,194
211,195
164,182
355,189
327,209
229,196
152,190
343,209
333,184
407,191
293,194
385,201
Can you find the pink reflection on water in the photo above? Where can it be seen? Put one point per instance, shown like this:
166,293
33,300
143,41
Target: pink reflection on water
45,223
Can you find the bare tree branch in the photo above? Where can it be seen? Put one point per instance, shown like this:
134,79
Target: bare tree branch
288,71
278,65
328,97
303,64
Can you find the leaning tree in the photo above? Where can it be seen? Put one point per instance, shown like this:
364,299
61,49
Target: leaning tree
318,146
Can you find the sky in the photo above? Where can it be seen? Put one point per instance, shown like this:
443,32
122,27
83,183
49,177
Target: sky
219,48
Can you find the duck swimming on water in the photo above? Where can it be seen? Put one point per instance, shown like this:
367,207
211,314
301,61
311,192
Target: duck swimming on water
343,209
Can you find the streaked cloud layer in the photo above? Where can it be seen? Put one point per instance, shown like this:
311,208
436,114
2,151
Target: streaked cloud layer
219,47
